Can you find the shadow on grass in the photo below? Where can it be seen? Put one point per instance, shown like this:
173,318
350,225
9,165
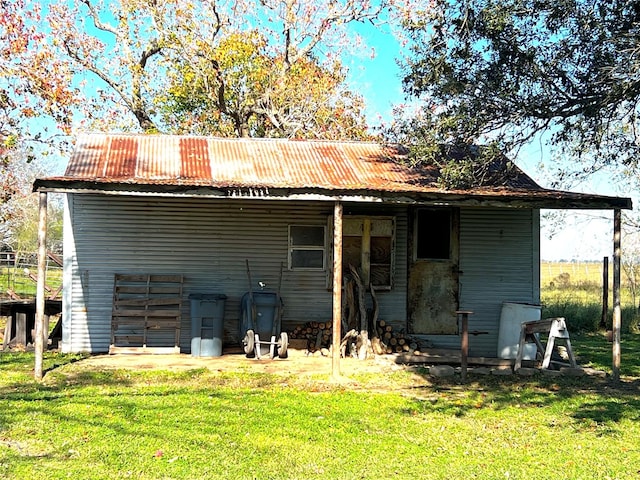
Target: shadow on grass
587,400
594,350
117,400
114,397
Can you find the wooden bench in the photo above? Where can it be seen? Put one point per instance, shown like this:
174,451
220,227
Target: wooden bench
146,314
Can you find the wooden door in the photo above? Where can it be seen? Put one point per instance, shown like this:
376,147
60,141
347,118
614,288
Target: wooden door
433,272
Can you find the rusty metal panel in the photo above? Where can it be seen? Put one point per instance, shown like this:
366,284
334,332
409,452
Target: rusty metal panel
122,158
194,157
159,161
242,162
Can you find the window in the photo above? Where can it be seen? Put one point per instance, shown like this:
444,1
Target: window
306,247
433,234
368,244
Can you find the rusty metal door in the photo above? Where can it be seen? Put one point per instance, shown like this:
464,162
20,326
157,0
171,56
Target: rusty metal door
433,272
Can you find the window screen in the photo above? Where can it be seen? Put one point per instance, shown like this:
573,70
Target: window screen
306,247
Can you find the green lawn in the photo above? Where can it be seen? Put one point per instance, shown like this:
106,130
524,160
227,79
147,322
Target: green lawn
88,424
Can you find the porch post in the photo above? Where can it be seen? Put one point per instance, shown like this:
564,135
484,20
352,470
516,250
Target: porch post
337,290
617,316
40,301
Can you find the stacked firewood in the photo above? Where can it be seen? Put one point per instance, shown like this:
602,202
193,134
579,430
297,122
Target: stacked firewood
363,333
318,336
393,341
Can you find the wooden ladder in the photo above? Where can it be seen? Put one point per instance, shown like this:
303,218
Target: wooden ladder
146,309
555,328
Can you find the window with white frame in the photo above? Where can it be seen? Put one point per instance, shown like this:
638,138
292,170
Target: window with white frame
307,247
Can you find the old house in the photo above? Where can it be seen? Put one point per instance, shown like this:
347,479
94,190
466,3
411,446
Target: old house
204,208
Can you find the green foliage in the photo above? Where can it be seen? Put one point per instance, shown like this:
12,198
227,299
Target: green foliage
240,89
509,70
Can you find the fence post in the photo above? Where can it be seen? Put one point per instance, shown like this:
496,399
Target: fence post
605,292
617,320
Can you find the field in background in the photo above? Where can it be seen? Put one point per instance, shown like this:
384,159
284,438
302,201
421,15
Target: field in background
574,290
18,275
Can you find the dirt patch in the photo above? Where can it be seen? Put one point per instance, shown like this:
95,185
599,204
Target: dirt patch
298,363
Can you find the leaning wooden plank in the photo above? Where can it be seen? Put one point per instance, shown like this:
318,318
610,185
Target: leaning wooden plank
166,278
152,290
131,290
127,277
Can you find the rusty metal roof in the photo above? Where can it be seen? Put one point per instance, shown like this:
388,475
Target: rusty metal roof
154,162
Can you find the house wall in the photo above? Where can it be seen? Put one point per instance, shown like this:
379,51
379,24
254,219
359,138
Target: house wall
499,262
208,241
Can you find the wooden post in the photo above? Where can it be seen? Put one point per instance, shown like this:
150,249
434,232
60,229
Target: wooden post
39,343
337,290
617,319
464,343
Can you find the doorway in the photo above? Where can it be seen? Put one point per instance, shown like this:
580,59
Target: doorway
433,271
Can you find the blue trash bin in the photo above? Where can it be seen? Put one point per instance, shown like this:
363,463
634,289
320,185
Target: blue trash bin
207,324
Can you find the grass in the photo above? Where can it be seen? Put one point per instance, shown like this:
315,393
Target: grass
91,424
574,291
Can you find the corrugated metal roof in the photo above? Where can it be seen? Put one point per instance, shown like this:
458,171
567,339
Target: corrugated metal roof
101,160
240,162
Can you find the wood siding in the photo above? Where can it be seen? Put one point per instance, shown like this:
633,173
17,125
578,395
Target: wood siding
208,242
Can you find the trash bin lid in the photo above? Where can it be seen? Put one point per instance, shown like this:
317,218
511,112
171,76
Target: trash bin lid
207,296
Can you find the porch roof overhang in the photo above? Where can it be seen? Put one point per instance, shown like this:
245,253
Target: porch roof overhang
284,170
505,198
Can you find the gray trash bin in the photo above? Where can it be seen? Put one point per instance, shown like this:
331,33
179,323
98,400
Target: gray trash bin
266,310
207,324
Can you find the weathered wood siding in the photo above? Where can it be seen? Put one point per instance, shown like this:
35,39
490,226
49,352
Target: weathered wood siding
208,242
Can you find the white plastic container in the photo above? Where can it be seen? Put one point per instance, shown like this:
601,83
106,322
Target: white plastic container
512,316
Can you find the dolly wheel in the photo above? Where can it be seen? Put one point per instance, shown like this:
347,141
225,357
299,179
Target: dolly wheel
249,343
284,345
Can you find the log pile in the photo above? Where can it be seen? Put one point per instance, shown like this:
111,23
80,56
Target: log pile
365,333
318,336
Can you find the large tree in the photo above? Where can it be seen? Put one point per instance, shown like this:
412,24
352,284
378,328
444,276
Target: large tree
245,91
508,71
237,57
33,83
